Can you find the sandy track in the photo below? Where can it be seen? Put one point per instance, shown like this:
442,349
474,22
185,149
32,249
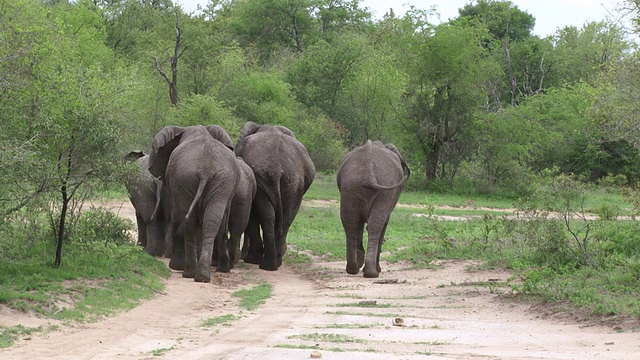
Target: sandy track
447,315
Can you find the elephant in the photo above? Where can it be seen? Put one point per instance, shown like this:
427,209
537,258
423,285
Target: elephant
201,175
149,198
241,210
242,199
283,171
370,179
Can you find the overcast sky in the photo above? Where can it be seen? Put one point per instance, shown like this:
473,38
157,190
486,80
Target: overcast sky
550,14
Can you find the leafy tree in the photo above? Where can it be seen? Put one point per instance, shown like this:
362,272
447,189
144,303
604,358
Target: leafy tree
369,101
503,19
72,102
319,76
445,90
272,25
582,54
204,110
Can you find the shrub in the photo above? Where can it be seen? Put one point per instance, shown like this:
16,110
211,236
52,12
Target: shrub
101,225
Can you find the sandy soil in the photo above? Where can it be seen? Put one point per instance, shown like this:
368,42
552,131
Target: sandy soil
447,313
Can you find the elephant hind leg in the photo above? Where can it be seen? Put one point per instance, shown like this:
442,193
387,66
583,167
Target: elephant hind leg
353,230
252,248
377,225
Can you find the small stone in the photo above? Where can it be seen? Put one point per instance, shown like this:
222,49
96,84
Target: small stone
316,355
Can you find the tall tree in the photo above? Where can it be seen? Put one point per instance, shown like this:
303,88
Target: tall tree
446,88
503,19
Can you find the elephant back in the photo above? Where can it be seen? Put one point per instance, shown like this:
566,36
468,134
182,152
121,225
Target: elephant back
373,165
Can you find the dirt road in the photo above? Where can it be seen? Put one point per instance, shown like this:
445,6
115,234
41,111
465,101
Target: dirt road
446,313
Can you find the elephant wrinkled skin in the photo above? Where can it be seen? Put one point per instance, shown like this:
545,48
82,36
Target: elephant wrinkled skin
283,171
201,174
370,180
149,198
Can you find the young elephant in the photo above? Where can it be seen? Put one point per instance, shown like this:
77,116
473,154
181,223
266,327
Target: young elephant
370,180
149,198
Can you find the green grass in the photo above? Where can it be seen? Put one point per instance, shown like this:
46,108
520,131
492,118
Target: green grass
8,335
365,305
353,326
355,313
162,351
219,320
102,272
601,279
327,337
250,299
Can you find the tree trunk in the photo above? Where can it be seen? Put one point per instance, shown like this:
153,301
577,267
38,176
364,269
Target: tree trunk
431,162
173,81
61,224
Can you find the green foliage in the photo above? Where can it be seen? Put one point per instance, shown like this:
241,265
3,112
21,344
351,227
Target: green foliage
8,335
104,272
100,224
204,110
503,19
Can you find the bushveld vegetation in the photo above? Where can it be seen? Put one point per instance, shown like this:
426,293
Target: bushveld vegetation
485,112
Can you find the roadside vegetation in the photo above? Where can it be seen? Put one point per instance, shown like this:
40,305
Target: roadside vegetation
486,113
572,246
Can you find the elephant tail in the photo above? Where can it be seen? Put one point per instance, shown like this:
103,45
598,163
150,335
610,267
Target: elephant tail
158,199
372,182
201,185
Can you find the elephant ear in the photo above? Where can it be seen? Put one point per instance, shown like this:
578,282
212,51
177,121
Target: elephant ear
285,130
405,168
220,134
133,155
249,128
163,145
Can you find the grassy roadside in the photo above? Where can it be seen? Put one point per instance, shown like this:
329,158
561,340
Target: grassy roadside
102,273
586,266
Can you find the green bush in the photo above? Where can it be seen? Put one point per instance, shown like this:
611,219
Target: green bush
101,225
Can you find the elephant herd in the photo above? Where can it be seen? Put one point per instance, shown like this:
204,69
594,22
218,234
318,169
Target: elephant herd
197,195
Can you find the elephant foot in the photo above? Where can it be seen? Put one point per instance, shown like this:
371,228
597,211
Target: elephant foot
189,274
374,274
202,278
176,263
252,259
353,269
370,272
158,253
268,265
203,274
221,269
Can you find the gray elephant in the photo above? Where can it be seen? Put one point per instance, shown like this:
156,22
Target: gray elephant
241,210
370,180
149,198
201,174
283,171
242,199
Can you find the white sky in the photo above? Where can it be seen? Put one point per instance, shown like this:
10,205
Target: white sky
549,14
